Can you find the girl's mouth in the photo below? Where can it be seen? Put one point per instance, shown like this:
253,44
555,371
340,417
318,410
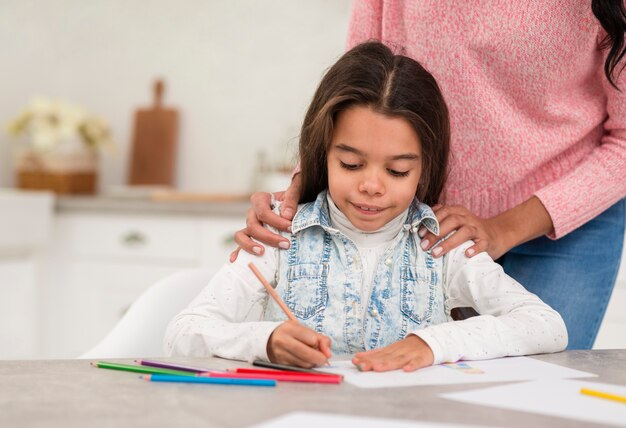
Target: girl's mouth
368,210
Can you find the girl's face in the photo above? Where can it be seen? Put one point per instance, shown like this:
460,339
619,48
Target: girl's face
374,166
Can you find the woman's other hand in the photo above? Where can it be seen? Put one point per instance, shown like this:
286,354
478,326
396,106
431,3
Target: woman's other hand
293,344
495,235
465,226
408,354
261,212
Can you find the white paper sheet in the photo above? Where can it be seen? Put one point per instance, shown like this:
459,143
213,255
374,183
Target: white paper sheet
557,397
498,370
318,420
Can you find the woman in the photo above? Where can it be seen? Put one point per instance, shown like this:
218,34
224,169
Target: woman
538,140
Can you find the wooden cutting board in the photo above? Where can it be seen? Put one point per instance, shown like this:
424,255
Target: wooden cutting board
155,133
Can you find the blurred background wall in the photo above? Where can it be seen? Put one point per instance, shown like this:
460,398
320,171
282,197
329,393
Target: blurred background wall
240,72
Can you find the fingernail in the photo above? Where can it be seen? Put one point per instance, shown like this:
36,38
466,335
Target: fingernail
424,244
283,244
437,251
256,250
470,252
421,232
288,213
289,229
232,258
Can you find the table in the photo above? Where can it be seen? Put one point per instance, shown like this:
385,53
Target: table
71,393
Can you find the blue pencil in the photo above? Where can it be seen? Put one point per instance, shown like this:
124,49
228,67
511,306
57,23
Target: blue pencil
213,380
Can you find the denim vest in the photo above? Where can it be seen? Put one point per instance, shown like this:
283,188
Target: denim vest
319,278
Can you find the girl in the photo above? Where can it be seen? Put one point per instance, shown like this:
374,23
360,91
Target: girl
373,150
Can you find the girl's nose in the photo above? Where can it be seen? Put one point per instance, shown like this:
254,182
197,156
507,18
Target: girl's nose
371,184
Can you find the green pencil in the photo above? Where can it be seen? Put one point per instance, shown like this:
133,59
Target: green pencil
140,369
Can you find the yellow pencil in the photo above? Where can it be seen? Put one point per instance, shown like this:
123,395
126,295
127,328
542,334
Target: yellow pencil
604,395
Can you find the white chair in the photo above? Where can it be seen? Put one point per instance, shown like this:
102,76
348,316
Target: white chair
139,334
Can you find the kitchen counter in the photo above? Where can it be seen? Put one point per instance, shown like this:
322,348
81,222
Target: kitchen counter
220,205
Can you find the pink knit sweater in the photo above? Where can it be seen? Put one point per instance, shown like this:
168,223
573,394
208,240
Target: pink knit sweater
531,111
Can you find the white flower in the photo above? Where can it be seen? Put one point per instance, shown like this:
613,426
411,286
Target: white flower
49,123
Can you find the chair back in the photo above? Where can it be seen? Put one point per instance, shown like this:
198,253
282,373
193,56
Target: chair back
139,334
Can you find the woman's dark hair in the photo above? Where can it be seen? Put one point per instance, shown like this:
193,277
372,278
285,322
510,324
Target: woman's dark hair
393,85
612,17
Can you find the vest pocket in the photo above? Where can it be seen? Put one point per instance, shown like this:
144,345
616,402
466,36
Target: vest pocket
307,293
417,294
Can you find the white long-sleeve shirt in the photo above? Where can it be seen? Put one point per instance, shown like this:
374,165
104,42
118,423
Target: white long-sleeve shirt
225,319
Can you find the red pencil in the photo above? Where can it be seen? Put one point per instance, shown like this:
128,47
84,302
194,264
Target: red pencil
279,372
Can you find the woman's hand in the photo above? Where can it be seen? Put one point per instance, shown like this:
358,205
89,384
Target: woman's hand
261,212
466,226
408,354
495,235
293,344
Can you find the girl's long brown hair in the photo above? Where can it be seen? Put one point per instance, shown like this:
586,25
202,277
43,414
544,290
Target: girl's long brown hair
394,85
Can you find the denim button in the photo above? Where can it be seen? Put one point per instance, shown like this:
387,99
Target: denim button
374,312
389,261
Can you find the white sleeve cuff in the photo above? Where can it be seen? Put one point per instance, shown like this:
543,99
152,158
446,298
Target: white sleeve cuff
260,338
433,343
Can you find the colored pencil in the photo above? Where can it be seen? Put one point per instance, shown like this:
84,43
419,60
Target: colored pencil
605,395
272,292
281,377
160,364
285,367
212,380
244,370
139,369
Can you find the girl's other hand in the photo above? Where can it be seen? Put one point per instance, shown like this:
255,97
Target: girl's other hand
466,226
293,344
261,212
408,354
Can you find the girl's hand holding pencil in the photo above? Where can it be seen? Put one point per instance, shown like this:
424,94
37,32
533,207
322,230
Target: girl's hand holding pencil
293,344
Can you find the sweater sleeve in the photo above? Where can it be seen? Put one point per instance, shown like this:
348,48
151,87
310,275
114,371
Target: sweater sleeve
224,320
512,321
599,181
365,22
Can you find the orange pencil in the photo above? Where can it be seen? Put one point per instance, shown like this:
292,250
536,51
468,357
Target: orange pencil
272,292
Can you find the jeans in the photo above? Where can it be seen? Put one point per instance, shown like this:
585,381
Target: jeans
575,274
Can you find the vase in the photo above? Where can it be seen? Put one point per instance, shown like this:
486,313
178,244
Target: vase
62,172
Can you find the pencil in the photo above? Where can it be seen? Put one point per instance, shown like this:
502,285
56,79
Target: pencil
213,380
605,395
139,369
288,368
151,363
272,292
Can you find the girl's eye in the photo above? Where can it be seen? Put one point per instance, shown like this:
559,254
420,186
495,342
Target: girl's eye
398,173
348,166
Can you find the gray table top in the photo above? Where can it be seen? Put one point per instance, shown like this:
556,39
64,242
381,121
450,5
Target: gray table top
71,393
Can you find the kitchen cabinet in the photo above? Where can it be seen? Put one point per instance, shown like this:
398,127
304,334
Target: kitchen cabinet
18,308
100,262
25,222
